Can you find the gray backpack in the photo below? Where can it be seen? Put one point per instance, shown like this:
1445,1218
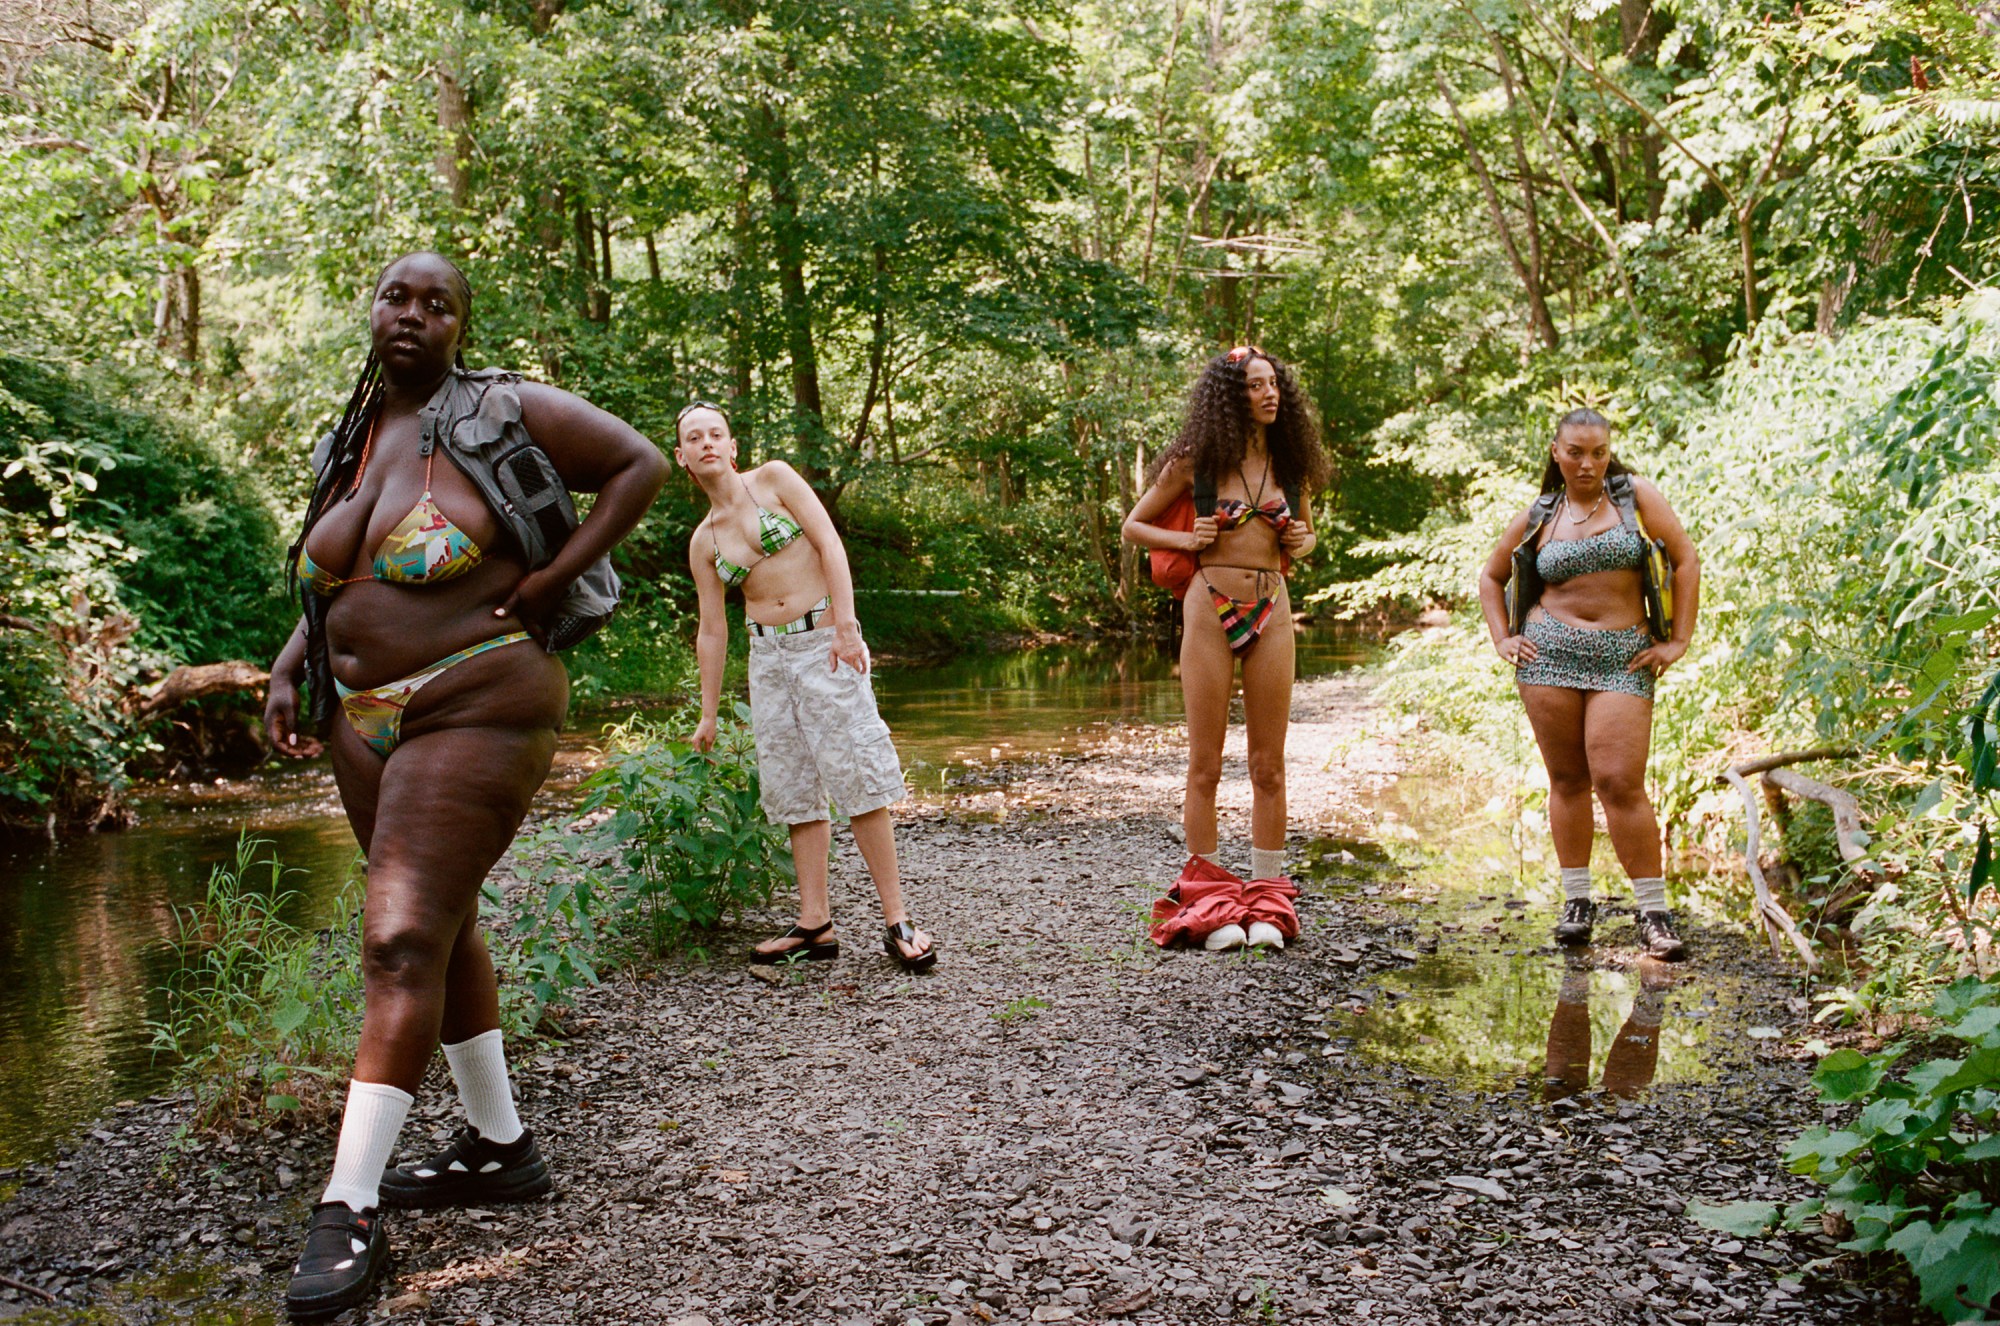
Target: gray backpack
478,418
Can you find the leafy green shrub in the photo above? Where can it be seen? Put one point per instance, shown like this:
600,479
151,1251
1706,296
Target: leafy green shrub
685,842
1916,1171
544,934
255,1002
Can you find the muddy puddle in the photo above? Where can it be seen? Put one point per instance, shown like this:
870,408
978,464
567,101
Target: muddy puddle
1478,994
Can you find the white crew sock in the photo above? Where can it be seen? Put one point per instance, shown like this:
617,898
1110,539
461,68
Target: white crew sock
1267,864
1651,893
368,1128
479,1066
1576,882
1203,856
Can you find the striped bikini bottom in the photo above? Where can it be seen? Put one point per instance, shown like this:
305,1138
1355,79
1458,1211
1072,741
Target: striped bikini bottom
1243,620
377,713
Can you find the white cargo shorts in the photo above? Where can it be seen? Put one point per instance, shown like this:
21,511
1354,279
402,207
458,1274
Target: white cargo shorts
819,738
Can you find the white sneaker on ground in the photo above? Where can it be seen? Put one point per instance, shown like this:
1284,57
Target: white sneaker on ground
1229,936
1265,935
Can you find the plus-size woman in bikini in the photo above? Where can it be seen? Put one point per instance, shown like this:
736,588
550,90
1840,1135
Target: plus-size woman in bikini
1586,662
424,623
1251,437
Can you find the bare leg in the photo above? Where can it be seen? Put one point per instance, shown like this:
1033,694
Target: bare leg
1208,671
875,835
450,803
810,843
1268,667
471,991
1618,731
1556,714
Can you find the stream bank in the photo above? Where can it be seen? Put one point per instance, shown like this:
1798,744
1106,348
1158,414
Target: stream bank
1061,1124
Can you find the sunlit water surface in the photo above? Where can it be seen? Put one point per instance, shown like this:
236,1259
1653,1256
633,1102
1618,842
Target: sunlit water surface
86,927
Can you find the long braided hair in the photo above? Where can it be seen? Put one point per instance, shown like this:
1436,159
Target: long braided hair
1215,435
1552,475
339,479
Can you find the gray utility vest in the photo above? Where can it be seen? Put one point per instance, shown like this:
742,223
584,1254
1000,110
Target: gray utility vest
478,418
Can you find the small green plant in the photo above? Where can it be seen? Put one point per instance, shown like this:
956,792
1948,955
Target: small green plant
1018,1010
544,933
686,842
255,1002
1916,1172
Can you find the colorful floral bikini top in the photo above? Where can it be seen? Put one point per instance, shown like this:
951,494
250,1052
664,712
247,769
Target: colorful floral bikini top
775,531
425,548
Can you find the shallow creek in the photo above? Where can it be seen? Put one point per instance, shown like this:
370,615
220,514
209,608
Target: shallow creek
86,926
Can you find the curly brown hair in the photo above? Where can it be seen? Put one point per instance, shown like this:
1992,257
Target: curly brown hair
1216,433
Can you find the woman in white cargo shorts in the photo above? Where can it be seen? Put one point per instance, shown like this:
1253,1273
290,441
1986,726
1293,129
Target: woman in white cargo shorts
812,709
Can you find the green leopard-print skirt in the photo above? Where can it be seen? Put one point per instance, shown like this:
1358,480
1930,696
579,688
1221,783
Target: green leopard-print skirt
1583,659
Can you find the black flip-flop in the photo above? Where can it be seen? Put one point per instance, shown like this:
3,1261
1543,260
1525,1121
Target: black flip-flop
811,951
907,934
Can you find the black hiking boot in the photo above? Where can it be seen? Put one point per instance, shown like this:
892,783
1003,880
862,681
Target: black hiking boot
344,1254
1656,935
1578,916
470,1171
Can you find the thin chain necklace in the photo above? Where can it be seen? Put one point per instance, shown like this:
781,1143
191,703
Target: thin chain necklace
1574,518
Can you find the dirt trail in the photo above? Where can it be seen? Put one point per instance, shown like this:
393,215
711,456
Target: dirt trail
1061,1124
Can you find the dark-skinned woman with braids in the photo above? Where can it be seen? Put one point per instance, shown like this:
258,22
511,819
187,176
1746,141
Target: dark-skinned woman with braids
432,596
1248,457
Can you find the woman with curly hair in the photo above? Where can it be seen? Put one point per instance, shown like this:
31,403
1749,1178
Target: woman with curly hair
1245,462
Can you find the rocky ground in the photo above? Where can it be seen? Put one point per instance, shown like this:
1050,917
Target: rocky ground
1060,1124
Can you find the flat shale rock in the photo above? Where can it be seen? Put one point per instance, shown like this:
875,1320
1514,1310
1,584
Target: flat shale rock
1062,1124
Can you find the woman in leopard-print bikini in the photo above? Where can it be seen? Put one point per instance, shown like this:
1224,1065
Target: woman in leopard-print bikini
1586,665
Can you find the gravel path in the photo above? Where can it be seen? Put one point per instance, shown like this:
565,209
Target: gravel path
1060,1124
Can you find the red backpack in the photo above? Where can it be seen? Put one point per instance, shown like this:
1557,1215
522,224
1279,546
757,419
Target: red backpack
1172,569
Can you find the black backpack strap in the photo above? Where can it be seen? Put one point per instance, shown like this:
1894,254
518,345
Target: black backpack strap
1624,500
1204,495
1539,512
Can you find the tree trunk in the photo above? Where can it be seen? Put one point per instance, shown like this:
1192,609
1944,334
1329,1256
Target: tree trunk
1530,278
1160,138
1640,29
795,307
454,113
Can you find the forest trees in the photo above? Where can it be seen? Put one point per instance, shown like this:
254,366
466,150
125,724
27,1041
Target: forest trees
964,258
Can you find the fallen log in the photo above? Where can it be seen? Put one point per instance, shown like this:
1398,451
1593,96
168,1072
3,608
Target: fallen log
1776,921
1847,830
192,683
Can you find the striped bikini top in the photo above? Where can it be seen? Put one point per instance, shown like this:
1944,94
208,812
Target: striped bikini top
425,548
1615,549
775,531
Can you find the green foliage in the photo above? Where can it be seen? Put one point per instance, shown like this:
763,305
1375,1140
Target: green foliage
1916,1170
258,1007
544,933
682,842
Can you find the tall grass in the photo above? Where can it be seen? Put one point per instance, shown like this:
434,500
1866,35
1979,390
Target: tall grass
259,1011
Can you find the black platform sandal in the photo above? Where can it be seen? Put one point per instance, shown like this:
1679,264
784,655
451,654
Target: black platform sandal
812,950
906,933
345,1254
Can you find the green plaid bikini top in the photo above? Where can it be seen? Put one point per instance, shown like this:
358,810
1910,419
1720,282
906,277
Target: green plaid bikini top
774,532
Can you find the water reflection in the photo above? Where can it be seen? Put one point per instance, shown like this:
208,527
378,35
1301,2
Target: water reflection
981,707
1634,1053
1482,996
